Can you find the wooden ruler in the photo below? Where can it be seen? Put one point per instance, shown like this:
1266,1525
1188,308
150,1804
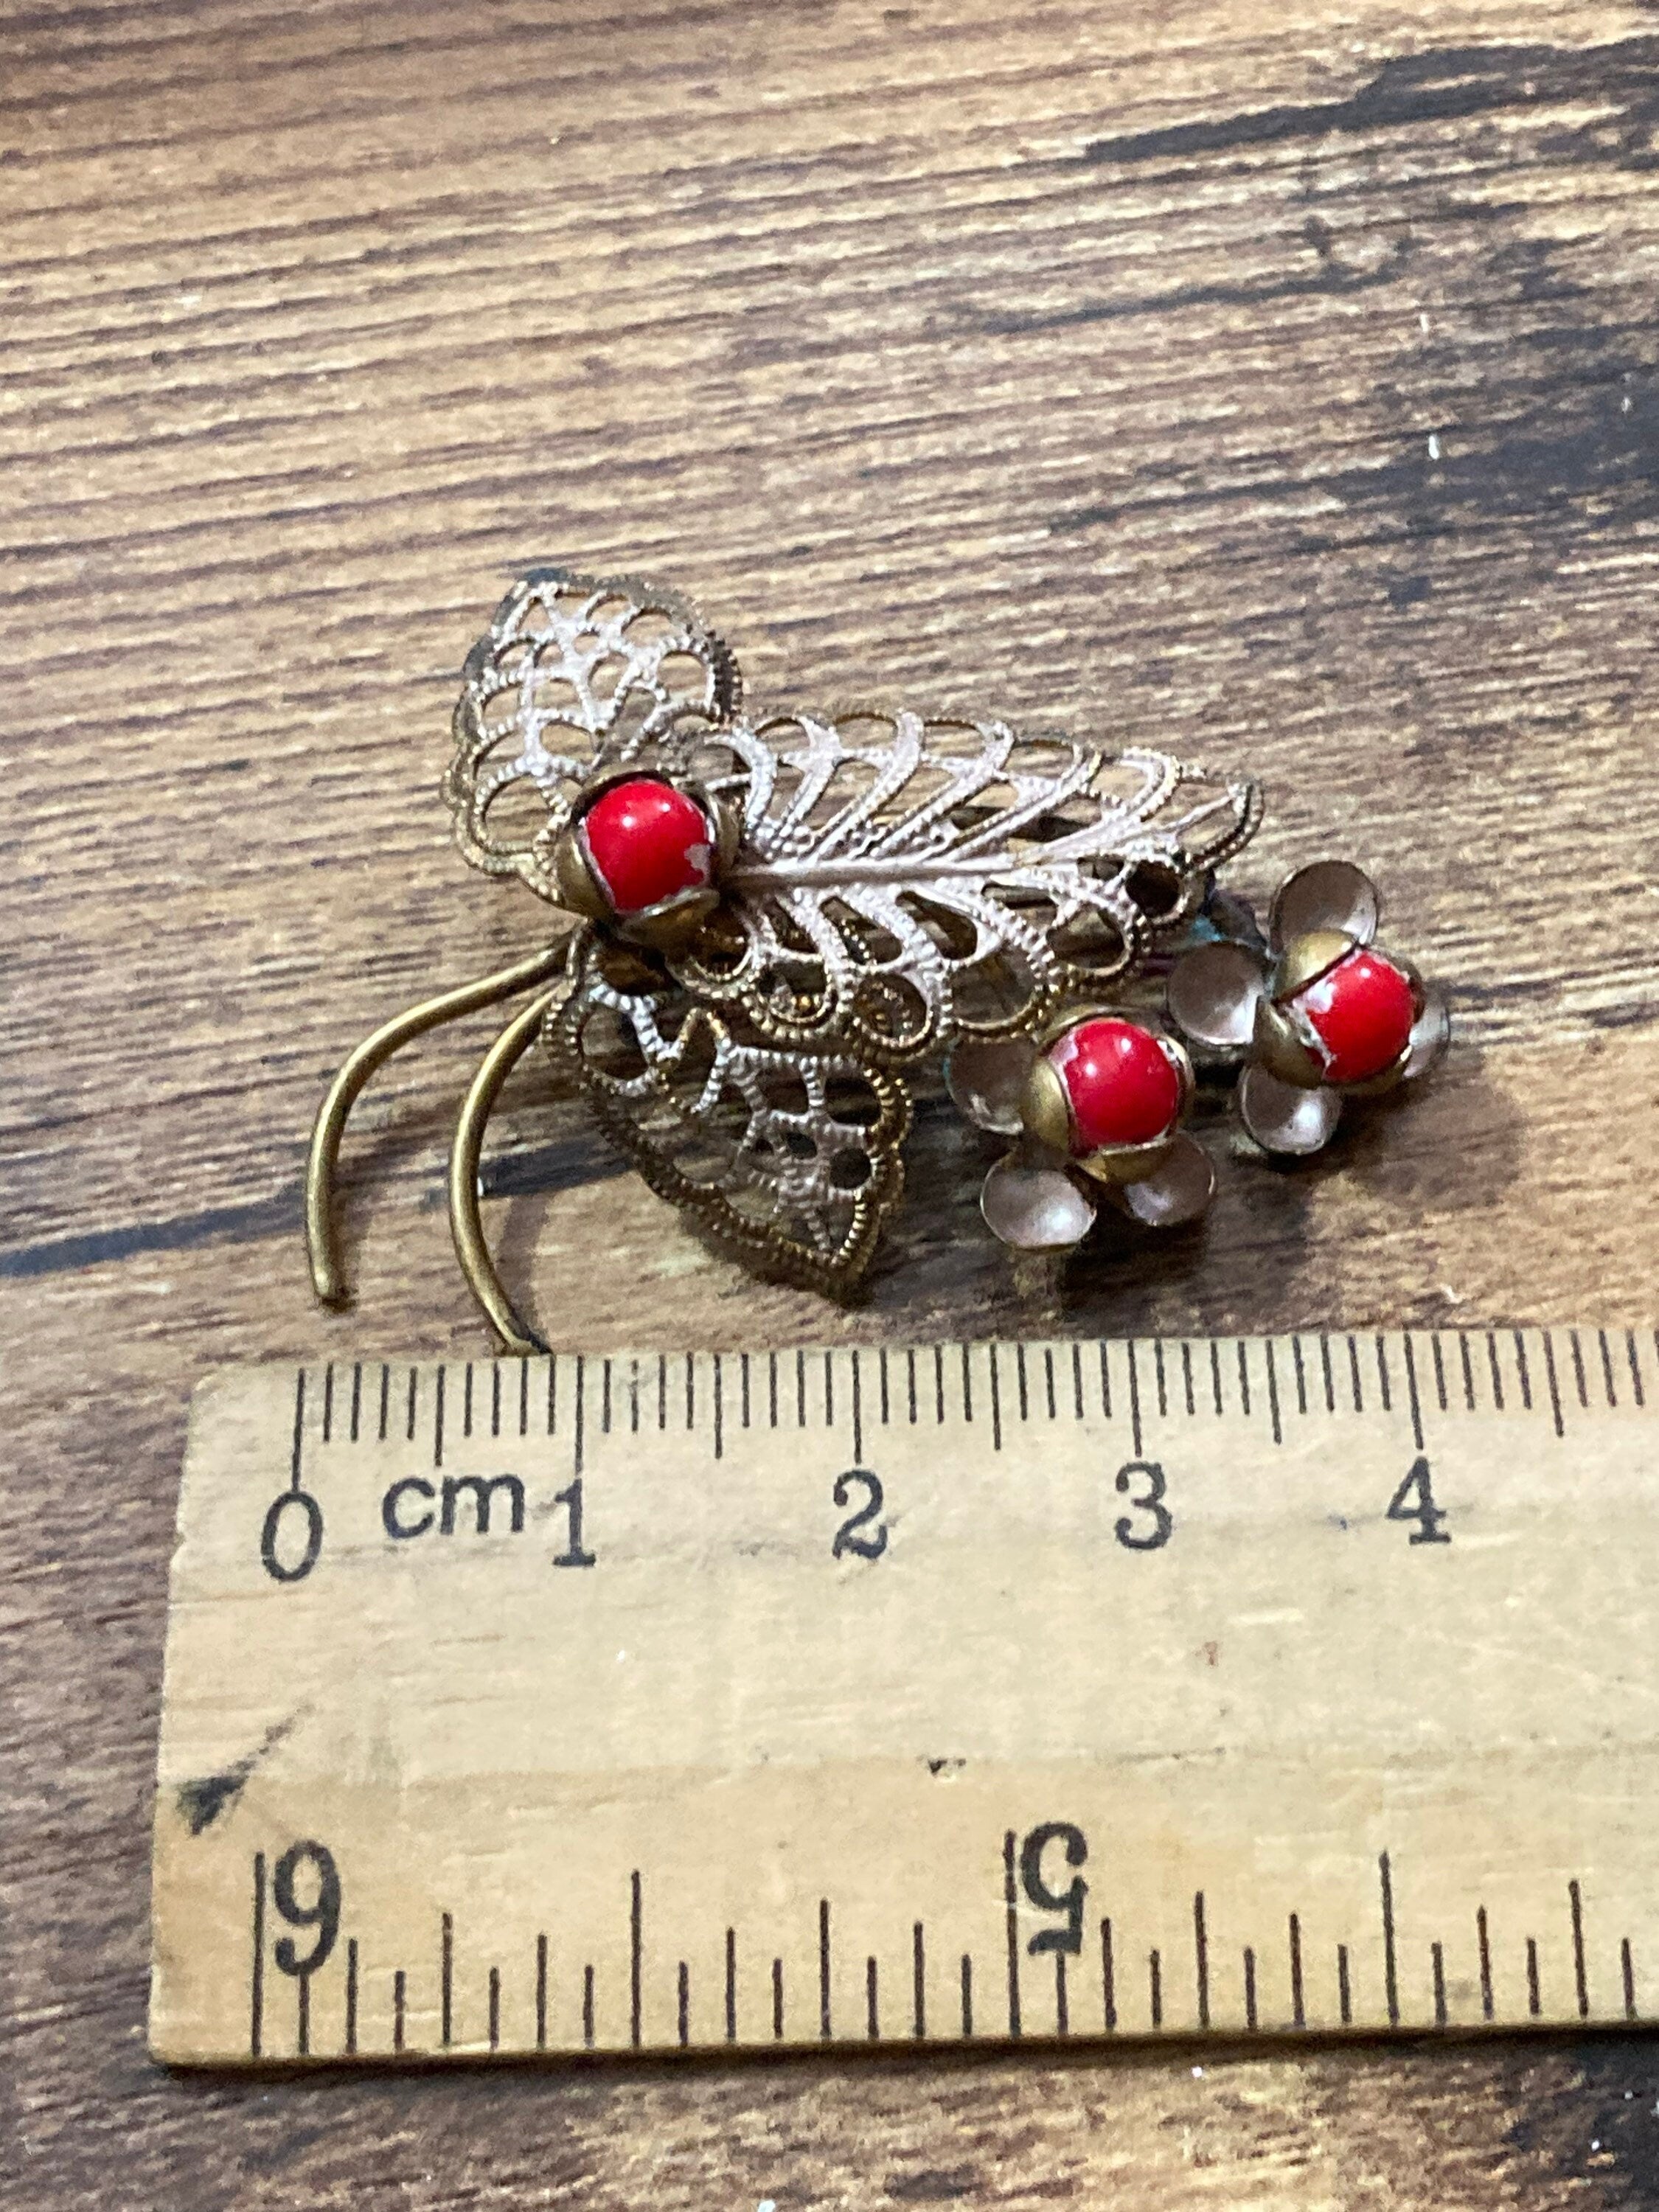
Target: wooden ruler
1042,1690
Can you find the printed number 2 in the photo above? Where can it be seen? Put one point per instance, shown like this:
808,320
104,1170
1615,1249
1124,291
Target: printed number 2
1425,1512
847,1538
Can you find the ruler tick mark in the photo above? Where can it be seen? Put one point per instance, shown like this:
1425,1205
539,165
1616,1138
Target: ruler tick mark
1437,1963
1049,1378
1062,2008
552,1394
351,1997
1105,1382
1627,1972
541,1992
772,1388
385,1396
1412,1397
1330,1380
438,1418
1382,1382
1635,1368
1249,1990
823,1968
918,1982
579,1441
1243,1379
690,1393
730,1984
872,2006
413,1397
1580,1381
662,1394
1134,1398
605,1397
801,1390
1390,1965
828,1390
1299,2007
1155,1986
1555,1387
494,2009
881,1370
967,1385
1107,1986
1483,1946
328,1402
720,1407
1187,1377
466,1401
742,1375
1301,1375
1344,1992
257,1973
1580,1978
1077,1377
447,1980
1439,1373
1535,2001
1215,1375
996,1396
1272,1392
1353,1373
399,2008
1011,1918
1468,1371
967,1994
1201,1959
356,1397
587,2007
296,1454
683,2008
1157,1364
1497,1375
858,1411
1022,1387
524,1397
777,2000
1606,1367
636,1956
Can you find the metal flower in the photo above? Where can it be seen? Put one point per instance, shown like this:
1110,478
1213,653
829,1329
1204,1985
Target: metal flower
1314,1014
1096,1104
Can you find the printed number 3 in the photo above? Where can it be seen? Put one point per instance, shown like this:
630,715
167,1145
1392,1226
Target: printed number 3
1149,1536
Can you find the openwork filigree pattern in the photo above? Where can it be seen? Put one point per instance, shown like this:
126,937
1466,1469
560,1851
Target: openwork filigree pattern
790,1159
901,882
575,674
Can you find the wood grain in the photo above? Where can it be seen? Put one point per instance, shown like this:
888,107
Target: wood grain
1275,383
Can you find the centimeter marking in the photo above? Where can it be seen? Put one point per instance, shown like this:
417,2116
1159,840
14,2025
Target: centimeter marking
1007,1391
662,1393
1106,1967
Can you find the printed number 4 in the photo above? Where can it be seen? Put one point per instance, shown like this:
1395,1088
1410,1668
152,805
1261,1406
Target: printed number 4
1418,1486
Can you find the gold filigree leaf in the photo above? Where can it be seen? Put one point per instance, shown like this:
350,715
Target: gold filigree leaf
575,675
789,1159
902,883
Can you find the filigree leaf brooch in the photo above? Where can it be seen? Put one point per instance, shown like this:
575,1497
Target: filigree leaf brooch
765,926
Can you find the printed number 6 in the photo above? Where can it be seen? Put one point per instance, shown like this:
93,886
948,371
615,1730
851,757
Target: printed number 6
1151,1501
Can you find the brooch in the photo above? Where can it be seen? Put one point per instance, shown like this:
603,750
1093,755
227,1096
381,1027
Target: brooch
763,928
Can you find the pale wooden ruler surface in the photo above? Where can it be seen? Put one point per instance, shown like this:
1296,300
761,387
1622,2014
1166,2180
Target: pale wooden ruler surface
1067,1689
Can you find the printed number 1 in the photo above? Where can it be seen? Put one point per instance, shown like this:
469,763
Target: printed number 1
1419,1485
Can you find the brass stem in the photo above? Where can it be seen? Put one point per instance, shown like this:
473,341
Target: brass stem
518,1338
322,1239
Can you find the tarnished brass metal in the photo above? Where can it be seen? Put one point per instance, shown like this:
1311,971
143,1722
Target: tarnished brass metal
1121,1164
327,1272
466,1224
1045,1108
1279,1048
1306,958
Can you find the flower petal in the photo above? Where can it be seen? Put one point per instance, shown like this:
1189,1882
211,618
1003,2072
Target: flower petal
987,1078
1325,895
1178,1190
1430,1034
1211,997
1034,1209
1282,1118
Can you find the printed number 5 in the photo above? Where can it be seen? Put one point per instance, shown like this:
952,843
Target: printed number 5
1149,1536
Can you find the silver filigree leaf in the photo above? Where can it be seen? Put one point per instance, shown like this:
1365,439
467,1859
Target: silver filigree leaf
903,882
575,675
789,1159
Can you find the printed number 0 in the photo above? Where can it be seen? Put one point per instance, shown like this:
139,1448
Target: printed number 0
1151,1501
847,1536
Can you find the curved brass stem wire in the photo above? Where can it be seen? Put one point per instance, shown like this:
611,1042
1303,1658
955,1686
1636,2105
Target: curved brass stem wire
322,1239
518,1338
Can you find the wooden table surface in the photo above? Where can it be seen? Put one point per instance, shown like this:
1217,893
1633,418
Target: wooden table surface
1276,382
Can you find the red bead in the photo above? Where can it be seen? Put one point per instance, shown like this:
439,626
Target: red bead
1122,1085
1358,1016
647,841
